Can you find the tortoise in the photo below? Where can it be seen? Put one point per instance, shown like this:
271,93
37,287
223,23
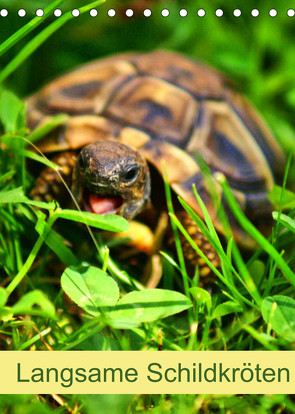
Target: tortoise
134,113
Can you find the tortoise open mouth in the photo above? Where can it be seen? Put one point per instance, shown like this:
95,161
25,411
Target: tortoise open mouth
101,204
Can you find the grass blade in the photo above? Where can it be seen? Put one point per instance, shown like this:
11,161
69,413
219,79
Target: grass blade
247,279
176,235
255,234
234,291
215,242
40,38
285,220
109,222
276,232
56,243
17,196
26,29
41,160
48,126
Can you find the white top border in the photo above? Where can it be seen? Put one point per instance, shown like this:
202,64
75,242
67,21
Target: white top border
148,12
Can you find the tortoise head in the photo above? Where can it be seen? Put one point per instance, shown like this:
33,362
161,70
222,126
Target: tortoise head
111,178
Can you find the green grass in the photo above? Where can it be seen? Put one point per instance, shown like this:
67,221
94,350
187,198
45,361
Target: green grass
41,257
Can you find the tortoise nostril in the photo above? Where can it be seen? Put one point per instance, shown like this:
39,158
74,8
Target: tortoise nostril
130,175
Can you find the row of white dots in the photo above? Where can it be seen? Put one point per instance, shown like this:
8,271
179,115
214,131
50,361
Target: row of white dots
148,12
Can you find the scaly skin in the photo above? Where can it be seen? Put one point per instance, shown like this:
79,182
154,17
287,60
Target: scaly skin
49,186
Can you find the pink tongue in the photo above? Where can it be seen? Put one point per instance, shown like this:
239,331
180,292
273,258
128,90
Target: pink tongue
103,205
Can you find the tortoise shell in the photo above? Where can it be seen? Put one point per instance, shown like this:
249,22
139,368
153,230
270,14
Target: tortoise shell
171,109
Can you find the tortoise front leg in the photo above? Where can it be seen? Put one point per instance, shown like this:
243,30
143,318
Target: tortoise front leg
140,238
49,185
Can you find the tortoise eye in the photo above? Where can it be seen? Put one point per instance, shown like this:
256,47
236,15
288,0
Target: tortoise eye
130,175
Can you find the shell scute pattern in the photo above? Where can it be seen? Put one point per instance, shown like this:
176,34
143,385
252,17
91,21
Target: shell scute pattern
85,90
171,108
199,80
160,108
258,129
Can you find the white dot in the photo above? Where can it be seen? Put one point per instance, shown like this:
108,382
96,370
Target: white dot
291,12
93,13
237,12
21,12
147,12
57,12
3,13
129,12
273,13
183,12
40,13
111,12
255,13
75,13
165,12
219,12
201,12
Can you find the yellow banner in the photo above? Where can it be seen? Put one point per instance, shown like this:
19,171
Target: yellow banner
137,372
